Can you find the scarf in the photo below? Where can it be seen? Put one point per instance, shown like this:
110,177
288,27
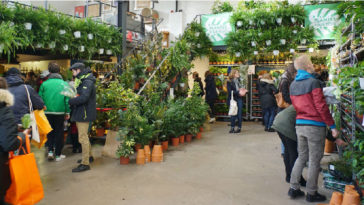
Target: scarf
79,80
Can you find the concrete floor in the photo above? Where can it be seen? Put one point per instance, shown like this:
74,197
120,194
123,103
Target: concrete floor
221,168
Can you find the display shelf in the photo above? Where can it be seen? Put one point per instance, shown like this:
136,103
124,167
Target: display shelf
225,65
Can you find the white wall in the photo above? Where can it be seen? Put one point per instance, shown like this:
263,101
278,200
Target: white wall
67,7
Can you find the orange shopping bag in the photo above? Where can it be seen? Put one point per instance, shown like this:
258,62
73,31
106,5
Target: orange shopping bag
43,128
26,187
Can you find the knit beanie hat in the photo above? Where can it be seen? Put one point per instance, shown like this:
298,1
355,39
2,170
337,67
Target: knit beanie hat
13,71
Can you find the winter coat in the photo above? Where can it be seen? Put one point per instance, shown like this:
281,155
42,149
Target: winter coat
211,93
83,107
284,89
284,123
198,80
8,137
50,92
267,90
309,101
231,86
21,103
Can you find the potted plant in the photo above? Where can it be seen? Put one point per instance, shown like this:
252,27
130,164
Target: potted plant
125,150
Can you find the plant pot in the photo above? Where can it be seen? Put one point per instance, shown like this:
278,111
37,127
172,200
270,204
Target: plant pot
182,139
239,23
188,138
62,32
28,26
201,129
311,50
303,41
329,146
279,20
39,45
90,36
101,51
175,141
147,153
100,132
65,47
255,53
291,50
351,197
124,160
82,49
199,136
137,147
164,145
77,34
275,52
182,85
136,86
109,40
52,45
108,52
283,41
140,159
268,42
157,154
293,19
336,198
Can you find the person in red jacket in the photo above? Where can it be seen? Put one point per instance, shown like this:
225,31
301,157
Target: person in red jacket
313,116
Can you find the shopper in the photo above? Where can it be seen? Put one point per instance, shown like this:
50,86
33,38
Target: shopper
211,94
18,89
267,90
313,116
234,86
8,137
42,78
31,80
197,79
286,80
57,110
83,110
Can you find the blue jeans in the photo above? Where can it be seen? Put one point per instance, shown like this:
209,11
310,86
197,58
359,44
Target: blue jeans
239,116
269,114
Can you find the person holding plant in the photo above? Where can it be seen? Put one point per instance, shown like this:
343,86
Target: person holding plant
83,112
313,115
20,92
57,110
267,90
8,137
234,86
211,94
197,79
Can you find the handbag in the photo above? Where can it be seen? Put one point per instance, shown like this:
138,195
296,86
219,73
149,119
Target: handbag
35,132
280,101
233,109
26,187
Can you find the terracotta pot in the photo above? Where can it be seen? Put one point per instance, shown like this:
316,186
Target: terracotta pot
349,188
137,147
107,125
336,198
100,132
199,135
136,86
164,145
157,154
188,138
182,139
140,159
351,198
124,160
201,129
329,146
147,153
175,141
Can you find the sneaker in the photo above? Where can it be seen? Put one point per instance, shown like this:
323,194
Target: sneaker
293,193
59,158
50,156
81,168
91,159
315,198
271,130
238,130
231,130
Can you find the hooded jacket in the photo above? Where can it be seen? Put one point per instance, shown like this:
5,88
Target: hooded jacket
21,103
83,107
8,137
309,101
210,88
267,90
50,92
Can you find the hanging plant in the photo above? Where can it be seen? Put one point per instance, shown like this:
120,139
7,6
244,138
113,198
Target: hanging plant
221,7
196,37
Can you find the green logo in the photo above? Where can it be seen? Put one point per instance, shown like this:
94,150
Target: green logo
217,27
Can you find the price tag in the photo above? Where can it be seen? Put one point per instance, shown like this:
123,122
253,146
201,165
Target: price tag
251,70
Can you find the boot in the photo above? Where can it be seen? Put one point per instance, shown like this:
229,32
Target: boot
81,168
293,193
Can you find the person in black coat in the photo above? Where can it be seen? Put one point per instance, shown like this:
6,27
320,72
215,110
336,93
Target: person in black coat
8,137
83,110
233,87
286,80
21,102
197,79
211,93
267,90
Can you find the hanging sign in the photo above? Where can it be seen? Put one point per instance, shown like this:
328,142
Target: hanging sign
217,26
323,18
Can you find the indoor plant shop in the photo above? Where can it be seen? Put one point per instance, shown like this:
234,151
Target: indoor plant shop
151,98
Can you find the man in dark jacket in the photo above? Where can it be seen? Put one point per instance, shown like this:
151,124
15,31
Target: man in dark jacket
197,79
21,102
8,137
313,116
83,110
211,93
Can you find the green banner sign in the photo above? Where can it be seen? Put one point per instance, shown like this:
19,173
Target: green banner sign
217,26
323,18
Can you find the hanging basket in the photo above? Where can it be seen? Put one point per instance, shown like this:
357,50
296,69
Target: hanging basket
303,41
255,53
361,80
82,49
39,45
198,45
311,50
251,22
65,47
291,50
262,22
62,32
109,40
254,44
101,51
77,34
279,20
182,85
294,31
28,26
275,52
197,34
283,41
90,36
1,48
268,42
108,52
11,24
52,45
237,54
239,23
293,19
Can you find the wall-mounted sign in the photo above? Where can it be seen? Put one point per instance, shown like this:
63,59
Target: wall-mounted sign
217,26
323,18
80,11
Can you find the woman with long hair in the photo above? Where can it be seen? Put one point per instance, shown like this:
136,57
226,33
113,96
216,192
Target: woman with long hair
234,86
211,93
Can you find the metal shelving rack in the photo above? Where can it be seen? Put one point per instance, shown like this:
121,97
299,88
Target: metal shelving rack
256,112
